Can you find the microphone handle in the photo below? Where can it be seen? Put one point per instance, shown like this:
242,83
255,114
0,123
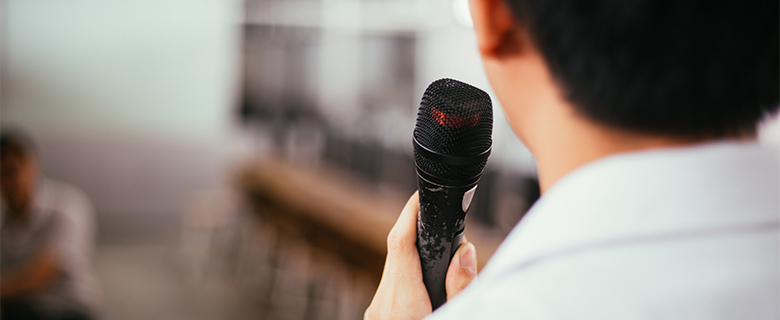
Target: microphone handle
440,225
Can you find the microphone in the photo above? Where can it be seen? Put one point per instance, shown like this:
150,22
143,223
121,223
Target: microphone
452,141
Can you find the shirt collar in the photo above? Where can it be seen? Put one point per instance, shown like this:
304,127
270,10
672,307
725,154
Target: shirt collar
710,186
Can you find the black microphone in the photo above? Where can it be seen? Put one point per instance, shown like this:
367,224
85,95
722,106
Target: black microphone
452,140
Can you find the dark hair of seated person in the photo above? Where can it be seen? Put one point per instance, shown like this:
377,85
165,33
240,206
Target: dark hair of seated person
15,143
675,67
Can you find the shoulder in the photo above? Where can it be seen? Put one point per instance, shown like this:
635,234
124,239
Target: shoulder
62,196
682,233
680,278
67,205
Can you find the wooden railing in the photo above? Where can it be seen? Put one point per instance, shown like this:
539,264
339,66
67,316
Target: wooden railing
334,212
342,225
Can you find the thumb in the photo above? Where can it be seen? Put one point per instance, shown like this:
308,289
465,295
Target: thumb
462,270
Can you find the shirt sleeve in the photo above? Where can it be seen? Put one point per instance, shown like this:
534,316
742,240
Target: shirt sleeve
73,240
489,302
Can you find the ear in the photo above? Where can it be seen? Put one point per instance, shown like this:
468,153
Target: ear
495,27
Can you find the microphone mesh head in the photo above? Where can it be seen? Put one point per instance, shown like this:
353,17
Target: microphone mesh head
454,119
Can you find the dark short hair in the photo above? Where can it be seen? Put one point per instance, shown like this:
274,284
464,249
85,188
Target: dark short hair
678,67
15,143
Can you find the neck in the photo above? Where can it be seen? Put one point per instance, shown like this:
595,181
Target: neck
18,214
560,139
563,140
577,141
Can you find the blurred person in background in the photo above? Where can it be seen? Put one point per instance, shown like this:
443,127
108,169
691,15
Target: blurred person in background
47,237
657,201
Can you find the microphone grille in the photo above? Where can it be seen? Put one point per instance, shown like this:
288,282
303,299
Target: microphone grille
454,119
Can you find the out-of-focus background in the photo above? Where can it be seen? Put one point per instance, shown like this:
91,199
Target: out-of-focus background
246,158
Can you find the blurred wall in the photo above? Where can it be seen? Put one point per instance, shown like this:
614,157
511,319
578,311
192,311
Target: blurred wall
130,100
354,51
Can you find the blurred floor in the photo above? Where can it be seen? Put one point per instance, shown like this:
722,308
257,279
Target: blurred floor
141,280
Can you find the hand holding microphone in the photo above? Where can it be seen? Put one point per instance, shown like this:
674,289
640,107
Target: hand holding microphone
426,263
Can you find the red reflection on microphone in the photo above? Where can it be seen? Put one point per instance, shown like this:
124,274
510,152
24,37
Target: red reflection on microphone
449,120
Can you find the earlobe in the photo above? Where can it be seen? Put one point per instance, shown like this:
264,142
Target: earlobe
494,26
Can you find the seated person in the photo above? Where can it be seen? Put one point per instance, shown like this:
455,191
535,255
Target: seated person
657,201
47,237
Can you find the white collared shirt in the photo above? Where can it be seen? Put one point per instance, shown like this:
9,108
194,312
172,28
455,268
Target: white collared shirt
62,220
688,233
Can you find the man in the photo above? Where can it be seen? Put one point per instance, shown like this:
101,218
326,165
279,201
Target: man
657,202
47,240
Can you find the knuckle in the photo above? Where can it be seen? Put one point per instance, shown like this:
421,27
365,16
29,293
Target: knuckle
396,242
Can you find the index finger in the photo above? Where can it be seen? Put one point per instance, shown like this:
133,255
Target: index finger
404,233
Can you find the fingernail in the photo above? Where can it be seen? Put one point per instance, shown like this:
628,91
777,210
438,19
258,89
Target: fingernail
468,258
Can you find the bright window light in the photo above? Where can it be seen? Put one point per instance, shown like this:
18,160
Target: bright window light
460,9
